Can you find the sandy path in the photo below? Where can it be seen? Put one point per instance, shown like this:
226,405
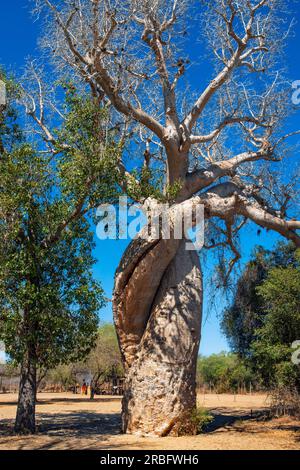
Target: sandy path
67,421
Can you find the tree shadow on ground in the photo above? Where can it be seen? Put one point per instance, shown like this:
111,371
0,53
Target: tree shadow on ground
67,431
49,401
88,429
102,399
8,403
81,423
92,424
225,420
73,424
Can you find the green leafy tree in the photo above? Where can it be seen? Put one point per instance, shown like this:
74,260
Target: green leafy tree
49,301
62,375
105,358
263,320
246,314
103,362
66,376
272,348
224,372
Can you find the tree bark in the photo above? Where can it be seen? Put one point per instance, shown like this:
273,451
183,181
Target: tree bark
160,350
25,419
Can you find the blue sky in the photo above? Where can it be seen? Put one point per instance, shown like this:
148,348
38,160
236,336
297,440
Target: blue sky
18,41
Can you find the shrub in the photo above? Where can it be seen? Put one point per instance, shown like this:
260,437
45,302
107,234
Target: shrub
200,417
285,401
194,423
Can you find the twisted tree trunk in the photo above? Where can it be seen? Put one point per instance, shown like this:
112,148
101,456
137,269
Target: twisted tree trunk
157,311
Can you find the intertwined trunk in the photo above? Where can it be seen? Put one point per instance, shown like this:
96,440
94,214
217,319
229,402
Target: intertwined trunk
25,419
157,309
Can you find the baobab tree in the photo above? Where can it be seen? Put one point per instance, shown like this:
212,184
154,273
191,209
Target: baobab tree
217,144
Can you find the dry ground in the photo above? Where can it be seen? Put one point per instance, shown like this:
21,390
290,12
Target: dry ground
67,421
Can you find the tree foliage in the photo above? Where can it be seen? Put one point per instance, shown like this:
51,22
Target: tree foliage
49,300
102,363
105,359
246,313
272,348
264,320
224,372
48,295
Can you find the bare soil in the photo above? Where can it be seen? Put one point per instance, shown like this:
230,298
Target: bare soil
67,421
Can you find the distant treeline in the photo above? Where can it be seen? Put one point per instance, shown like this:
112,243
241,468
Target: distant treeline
224,372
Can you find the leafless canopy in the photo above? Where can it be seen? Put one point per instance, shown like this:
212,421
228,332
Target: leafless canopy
197,84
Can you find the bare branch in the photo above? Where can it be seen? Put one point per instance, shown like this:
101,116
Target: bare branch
236,59
203,178
228,200
226,122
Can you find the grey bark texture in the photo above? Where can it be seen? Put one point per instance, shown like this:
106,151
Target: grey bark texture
160,349
25,418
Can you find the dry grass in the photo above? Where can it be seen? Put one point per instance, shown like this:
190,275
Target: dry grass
67,421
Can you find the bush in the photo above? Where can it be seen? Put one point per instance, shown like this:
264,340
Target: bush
285,401
200,417
194,422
